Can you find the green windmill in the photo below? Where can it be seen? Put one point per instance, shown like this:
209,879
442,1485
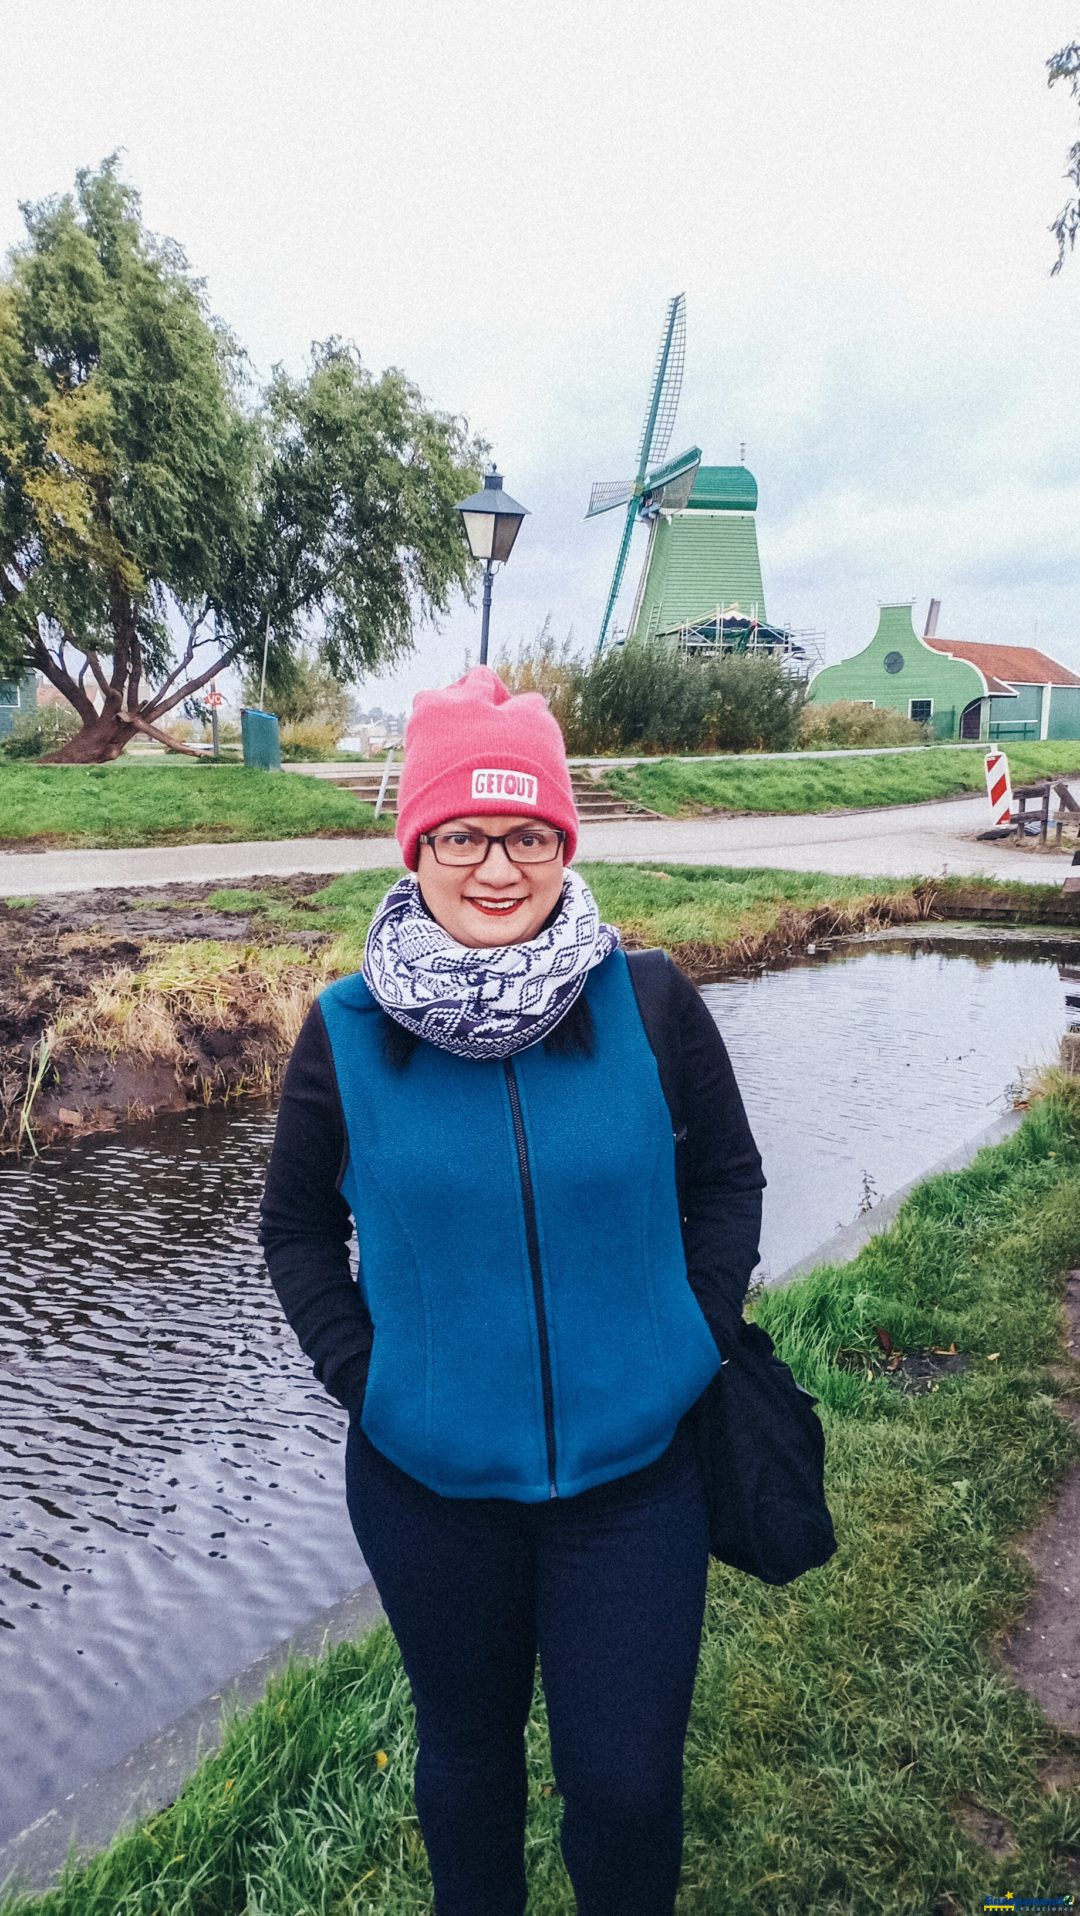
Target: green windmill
701,582
656,482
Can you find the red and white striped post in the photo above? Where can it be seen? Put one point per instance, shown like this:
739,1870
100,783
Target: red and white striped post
998,788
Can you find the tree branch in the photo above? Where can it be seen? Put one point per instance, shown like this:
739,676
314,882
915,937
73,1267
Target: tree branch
194,685
95,667
153,702
63,681
154,731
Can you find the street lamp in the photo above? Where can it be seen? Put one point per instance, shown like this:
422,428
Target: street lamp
492,521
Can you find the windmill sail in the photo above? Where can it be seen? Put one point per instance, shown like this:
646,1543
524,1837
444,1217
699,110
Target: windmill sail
667,386
652,450
607,494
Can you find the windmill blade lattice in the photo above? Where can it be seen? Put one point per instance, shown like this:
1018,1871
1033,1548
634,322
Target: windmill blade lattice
667,386
652,447
607,494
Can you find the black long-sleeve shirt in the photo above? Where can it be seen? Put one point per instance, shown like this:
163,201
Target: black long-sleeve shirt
306,1223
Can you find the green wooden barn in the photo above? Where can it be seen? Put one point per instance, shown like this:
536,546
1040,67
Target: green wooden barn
997,693
16,696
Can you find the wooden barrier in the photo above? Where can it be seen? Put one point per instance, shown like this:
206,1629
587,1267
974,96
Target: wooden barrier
1031,806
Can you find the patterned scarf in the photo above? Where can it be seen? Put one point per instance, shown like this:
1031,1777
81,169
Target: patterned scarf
485,1003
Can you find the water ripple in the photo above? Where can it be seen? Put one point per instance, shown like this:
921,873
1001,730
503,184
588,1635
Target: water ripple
170,1475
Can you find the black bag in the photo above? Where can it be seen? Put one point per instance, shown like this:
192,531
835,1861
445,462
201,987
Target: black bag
760,1442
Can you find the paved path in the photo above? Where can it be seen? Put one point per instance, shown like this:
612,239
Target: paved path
898,842
894,842
340,768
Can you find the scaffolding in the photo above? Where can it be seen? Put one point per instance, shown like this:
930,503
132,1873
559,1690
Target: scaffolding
728,629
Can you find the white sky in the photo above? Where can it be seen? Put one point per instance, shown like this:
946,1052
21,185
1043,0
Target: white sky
501,200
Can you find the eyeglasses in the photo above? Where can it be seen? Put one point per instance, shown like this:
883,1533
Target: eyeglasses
525,845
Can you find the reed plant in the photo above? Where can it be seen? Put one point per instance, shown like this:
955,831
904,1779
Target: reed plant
853,723
647,696
186,989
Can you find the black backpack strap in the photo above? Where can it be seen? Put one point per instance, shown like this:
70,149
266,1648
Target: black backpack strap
651,975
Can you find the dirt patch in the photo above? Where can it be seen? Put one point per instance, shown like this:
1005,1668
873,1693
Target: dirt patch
914,1372
991,1832
1060,1773
921,1371
55,951
1043,1653
982,905
44,842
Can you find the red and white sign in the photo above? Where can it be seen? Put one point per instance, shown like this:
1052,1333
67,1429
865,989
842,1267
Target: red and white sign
998,788
214,698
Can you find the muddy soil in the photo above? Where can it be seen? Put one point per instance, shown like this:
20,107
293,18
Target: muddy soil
54,949
1043,1652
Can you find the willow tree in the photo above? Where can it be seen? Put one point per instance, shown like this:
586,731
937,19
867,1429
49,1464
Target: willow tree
1065,65
159,517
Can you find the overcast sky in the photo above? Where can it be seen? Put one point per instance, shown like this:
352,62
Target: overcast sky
501,199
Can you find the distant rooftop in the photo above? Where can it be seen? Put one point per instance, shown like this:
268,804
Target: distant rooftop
1012,664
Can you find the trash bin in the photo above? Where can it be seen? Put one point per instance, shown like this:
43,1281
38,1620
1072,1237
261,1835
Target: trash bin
262,739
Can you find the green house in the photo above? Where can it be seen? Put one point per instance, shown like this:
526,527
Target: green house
964,691
16,696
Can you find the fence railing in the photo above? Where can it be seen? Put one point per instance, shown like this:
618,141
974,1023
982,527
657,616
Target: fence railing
1020,729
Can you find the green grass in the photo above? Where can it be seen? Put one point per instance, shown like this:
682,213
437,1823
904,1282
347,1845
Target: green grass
681,906
155,804
682,787
837,1723
229,898
675,905
672,905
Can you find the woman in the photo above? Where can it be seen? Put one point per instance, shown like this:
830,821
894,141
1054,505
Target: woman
528,1330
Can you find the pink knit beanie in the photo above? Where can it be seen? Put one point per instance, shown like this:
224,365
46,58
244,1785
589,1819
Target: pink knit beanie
476,750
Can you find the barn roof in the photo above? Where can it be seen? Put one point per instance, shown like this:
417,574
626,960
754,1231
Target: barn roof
1009,665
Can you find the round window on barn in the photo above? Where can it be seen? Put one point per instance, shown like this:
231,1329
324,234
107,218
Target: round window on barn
894,661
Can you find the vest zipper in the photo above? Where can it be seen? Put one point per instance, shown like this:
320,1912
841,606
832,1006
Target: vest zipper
532,1240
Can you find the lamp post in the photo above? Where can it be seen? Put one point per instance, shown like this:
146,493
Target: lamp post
492,522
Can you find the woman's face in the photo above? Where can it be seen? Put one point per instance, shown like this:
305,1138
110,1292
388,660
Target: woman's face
496,903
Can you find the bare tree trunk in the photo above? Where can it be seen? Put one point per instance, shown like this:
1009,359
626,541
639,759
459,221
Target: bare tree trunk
107,728
102,739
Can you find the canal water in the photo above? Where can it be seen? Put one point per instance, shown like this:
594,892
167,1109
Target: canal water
170,1476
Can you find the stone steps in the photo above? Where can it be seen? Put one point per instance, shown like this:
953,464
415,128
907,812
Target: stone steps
596,805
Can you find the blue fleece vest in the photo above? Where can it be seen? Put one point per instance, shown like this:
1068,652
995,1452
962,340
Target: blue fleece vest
520,1254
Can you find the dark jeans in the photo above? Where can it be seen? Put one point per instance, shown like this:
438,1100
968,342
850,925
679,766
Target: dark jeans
609,1586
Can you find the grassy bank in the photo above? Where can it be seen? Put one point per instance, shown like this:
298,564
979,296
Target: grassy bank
185,803
148,802
843,1729
681,788
118,1005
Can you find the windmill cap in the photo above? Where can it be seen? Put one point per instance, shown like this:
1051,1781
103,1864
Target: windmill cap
477,750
